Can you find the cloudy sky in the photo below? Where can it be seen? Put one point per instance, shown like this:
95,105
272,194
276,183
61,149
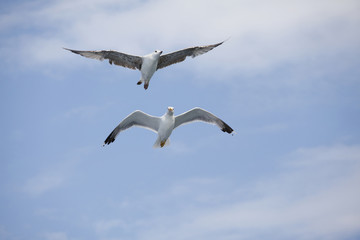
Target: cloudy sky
287,80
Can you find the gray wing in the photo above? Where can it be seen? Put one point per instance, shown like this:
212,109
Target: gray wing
179,56
137,118
118,58
198,114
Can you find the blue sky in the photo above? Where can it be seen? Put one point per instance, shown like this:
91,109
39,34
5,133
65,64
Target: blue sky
287,81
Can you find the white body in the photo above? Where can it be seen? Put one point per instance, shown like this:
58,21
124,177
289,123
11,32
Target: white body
165,129
148,67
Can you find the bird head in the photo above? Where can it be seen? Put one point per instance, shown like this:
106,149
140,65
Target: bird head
171,110
158,52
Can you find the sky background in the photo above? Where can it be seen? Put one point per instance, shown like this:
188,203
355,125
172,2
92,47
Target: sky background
287,81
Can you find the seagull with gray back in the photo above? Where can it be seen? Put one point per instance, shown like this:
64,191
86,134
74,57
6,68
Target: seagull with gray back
147,64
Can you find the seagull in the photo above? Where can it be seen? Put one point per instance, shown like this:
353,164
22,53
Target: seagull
147,64
165,124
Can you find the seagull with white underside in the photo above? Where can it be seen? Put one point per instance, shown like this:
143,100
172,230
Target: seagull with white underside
147,64
165,124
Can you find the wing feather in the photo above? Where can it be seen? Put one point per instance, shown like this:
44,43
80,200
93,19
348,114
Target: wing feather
137,118
198,114
179,56
118,58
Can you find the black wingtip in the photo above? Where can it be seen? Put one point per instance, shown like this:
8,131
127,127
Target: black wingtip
67,49
218,44
226,128
71,50
109,139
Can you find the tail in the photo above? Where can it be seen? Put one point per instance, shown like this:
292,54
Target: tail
159,144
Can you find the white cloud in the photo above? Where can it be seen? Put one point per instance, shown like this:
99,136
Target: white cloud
310,198
323,154
263,34
55,175
42,183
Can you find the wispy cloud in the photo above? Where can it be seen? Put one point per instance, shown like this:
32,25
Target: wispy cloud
261,37
312,198
55,175
40,184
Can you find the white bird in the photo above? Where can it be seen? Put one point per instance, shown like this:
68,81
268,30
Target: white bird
165,124
147,64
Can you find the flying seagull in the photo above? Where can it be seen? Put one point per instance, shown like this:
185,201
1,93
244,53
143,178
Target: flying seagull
147,64
165,124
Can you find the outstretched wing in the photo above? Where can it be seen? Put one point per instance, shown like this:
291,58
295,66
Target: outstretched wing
198,114
118,58
179,56
137,118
